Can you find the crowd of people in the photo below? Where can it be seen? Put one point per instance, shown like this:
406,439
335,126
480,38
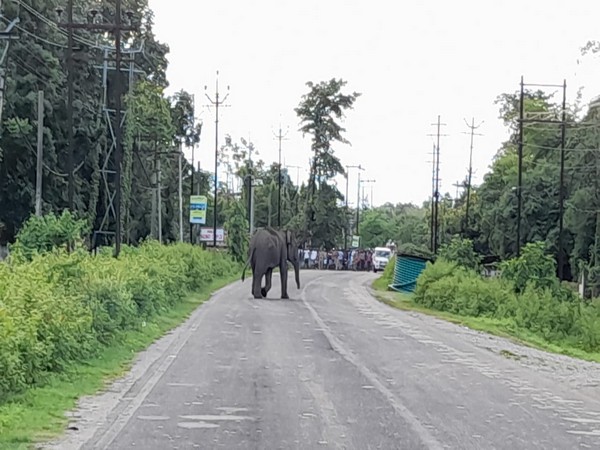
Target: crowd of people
337,259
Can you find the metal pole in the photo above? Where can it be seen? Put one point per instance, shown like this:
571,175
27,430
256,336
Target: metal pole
432,227
347,216
470,175
193,168
358,206
118,130
437,190
561,191
70,137
180,193
279,183
520,168
159,197
250,192
216,165
40,154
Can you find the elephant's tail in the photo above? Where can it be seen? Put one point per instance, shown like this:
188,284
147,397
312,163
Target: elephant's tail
247,264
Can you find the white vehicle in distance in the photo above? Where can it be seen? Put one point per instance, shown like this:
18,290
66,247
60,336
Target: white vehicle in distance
381,256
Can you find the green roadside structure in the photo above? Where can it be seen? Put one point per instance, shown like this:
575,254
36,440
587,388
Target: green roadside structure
407,270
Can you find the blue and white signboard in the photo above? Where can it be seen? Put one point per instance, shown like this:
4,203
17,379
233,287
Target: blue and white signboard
198,206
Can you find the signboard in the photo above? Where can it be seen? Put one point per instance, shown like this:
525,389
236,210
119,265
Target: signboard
355,241
206,235
198,206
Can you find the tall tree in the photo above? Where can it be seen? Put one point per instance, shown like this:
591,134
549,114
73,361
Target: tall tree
319,112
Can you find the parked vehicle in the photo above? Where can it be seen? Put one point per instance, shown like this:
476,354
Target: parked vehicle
381,256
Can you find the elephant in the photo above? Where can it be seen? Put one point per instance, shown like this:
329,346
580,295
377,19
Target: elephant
270,248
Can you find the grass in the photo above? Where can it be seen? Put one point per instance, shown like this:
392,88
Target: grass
38,415
502,328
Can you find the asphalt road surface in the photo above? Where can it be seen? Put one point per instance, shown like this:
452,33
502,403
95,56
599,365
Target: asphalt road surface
335,368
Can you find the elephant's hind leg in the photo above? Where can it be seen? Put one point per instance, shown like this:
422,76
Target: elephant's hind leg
256,282
268,277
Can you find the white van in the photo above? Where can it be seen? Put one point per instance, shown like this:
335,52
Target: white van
381,256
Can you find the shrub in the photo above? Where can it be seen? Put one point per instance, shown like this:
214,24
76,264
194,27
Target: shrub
59,308
541,306
461,252
43,234
533,266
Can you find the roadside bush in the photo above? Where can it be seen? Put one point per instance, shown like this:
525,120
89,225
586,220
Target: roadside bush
388,272
533,266
59,307
540,304
461,252
43,234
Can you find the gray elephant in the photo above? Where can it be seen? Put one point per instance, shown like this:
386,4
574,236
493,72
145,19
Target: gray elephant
270,248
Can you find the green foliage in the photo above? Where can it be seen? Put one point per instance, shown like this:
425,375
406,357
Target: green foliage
237,231
538,308
60,308
461,252
534,266
43,234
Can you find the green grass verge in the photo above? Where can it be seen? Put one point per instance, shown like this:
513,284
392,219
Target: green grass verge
38,415
502,328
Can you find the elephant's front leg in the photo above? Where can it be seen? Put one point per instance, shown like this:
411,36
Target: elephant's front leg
268,276
284,279
256,282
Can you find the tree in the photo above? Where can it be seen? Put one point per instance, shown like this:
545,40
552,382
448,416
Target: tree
318,112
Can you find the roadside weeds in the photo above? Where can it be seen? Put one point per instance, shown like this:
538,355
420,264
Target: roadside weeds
500,328
42,413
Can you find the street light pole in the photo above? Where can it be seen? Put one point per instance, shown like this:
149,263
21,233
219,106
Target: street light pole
358,202
347,195
217,103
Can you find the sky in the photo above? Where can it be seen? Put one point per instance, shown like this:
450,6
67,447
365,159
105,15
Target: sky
412,61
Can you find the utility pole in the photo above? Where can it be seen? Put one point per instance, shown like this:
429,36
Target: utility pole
561,192
472,132
457,185
158,188
180,164
297,173
436,188
116,30
358,202
363,190
563,124
216,103
279,137
193,164
5,35
40,155
520,166
70,134
432,224
347,196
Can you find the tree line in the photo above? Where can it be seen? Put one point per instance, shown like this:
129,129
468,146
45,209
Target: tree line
157,125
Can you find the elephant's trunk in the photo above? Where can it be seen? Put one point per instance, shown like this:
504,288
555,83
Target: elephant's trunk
297,273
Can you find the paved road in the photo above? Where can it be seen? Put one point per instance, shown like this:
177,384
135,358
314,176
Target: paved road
335,368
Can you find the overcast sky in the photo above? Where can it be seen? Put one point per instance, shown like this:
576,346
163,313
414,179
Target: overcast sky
410,60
